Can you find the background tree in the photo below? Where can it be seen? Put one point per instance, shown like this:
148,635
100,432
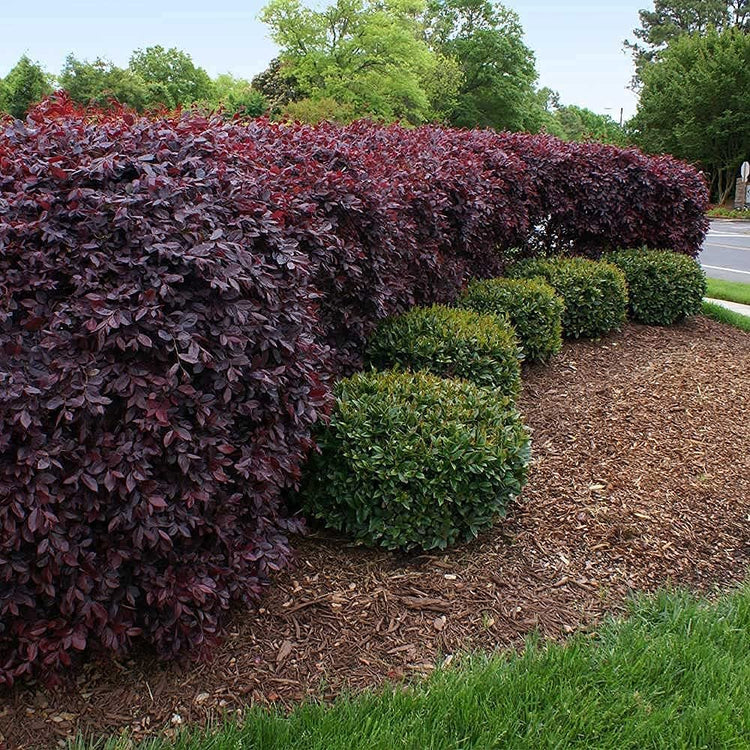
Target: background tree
99,82
368,55
672,18
277,85
171,76
237,96
695,104
25,84
581,124
499,73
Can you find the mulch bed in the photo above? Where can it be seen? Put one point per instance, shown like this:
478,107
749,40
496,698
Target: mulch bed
640,478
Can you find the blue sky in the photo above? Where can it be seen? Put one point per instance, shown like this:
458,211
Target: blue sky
578,46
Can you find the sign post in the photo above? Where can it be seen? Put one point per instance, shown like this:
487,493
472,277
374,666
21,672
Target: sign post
742,188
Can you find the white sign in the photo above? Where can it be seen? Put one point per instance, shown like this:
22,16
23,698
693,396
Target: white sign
745,171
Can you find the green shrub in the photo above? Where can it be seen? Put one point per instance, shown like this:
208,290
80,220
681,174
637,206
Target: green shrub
532,307
450,342
594,292
664,287
414,460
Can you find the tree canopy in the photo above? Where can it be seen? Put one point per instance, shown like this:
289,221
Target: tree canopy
582,124
695,103
670,19
171,76
462,62
498,69
365,54
100,82
26,83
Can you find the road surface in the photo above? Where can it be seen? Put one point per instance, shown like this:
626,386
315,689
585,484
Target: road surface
726,251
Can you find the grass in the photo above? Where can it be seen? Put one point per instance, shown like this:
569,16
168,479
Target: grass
717,312
674,674
719,212
734,291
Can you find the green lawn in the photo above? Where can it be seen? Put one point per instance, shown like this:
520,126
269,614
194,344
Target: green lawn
734,291
675,674
720,212
717,312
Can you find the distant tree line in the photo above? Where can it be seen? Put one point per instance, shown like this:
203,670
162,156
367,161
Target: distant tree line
692,63
454,62
457,62
154,78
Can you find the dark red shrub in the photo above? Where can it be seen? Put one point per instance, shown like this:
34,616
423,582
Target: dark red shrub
159,377
410,216
593,198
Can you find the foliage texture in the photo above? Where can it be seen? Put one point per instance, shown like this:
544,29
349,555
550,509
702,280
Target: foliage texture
593,198
532,307
412,460
594,292
663,287
451,342
158,382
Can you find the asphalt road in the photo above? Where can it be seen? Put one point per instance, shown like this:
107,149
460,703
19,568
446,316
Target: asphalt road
726,251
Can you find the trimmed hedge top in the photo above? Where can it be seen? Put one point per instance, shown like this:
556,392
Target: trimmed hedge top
450,342
414,460
531,305
594,292
664,287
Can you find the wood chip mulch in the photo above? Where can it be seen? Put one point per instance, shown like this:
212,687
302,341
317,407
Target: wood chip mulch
640,478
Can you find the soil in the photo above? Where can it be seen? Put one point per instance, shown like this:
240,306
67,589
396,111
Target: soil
640,479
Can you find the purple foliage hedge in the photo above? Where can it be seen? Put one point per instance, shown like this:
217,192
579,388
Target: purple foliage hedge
593,198
159,378
177,295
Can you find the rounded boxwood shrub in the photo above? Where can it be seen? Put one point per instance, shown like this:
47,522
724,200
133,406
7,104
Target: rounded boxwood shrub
664,287
450,342
594,292
414,460
532,307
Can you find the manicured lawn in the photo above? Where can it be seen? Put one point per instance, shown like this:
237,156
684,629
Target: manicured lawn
717,312
675,674
734,291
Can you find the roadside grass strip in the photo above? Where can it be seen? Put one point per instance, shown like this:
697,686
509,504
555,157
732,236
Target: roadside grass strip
717,312
732,291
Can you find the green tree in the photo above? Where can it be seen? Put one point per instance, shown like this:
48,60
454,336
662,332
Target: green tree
499,73
581,124
98,82
365,54
237,96
670,19
171,76
25,85
695,104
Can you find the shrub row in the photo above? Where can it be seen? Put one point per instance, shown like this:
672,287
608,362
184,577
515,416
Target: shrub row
594,293
410,460
176,297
